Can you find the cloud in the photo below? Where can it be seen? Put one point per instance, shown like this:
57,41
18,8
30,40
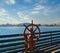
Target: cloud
23,16
46,13
52,11
2,21
12,20
39,7
5,17
35,12
9,20
3,12
45,10
10,1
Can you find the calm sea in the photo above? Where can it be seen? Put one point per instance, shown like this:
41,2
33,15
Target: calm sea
20,30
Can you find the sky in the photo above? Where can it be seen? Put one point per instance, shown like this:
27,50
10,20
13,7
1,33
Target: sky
22,11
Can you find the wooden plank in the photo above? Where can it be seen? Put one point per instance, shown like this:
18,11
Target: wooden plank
11,35
10,44
14,50
10,39
56,51
11,48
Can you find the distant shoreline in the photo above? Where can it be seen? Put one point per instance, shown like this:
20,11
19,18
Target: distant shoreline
23,26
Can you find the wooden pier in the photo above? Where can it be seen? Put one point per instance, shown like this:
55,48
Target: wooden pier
48,42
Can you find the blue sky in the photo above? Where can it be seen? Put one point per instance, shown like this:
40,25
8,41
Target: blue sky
20,11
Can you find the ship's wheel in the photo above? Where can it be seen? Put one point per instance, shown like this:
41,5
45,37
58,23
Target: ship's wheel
34,31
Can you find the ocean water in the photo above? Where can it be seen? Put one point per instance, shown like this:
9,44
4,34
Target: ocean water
20,30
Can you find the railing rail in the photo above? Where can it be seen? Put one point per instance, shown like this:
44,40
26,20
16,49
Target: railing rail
15,42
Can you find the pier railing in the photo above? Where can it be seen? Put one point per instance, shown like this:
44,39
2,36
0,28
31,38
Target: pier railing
15,43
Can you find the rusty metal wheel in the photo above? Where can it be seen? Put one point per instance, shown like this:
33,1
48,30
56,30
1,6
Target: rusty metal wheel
35,32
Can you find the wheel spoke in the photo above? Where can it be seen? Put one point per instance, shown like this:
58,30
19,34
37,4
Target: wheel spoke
27,28
35,29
